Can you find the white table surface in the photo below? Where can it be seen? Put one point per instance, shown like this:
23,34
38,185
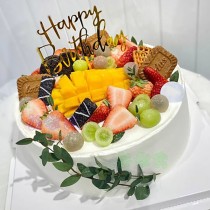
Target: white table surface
200,88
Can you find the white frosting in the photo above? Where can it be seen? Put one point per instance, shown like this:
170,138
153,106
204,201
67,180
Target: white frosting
156,149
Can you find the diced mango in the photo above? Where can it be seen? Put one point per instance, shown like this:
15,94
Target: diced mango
71,102
98,94
82,96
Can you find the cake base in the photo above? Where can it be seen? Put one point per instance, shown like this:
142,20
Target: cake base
157,153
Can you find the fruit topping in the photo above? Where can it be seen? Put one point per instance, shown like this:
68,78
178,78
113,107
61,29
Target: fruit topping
106,52
45,89
103,136
83,113
131,69
111,63
100,62
101,112
118,96
73,141
55,123
159,102
150,118
126,57
23,101
119,119
156,78
32,112
89,130
80,65
139,104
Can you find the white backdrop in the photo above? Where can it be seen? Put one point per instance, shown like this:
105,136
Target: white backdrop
182,27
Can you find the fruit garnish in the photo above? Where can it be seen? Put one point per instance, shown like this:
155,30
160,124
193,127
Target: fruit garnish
89,130
140,103
111,63
131,69
101,112
159,102
118,96
126,57
103,136
156,78
150,118
106,52
23,101
54,123
100,62
80,65
119,119
73,141
32,112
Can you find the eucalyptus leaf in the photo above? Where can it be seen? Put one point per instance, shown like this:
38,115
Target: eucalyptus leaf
142,192
81,167
147,179
57,151
86,172
101,165
25,141
45,155
175,76
136,182
116,183
62,166
100,184
70,180
131,191
66,157
117,137
141,43
51,157
133,40
140,171
50,100
119,166
125,176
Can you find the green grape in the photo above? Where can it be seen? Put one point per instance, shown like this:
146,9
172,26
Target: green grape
89,130
111,63
73,141
80,65
104,136
150,118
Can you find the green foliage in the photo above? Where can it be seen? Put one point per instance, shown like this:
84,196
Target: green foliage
117,137
175,76
102,176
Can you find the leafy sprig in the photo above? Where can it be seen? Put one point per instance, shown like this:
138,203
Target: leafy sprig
102,177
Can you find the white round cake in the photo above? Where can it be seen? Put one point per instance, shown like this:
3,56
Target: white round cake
156,149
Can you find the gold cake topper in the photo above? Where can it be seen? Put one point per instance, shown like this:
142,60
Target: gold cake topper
70,25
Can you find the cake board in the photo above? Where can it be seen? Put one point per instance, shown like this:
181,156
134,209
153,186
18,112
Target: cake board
186,183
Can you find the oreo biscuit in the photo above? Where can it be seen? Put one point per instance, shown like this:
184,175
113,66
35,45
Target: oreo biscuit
45,89
83,113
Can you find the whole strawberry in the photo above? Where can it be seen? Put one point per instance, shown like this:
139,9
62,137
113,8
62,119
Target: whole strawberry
126,57
156,78
101,113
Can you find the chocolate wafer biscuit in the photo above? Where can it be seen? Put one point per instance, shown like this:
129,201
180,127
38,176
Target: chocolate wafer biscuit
161,60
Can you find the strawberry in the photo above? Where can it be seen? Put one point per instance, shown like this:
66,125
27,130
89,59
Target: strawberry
116,96
36,71
144,89
32,112
119,119
101,112
126,57
55,122
156,78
